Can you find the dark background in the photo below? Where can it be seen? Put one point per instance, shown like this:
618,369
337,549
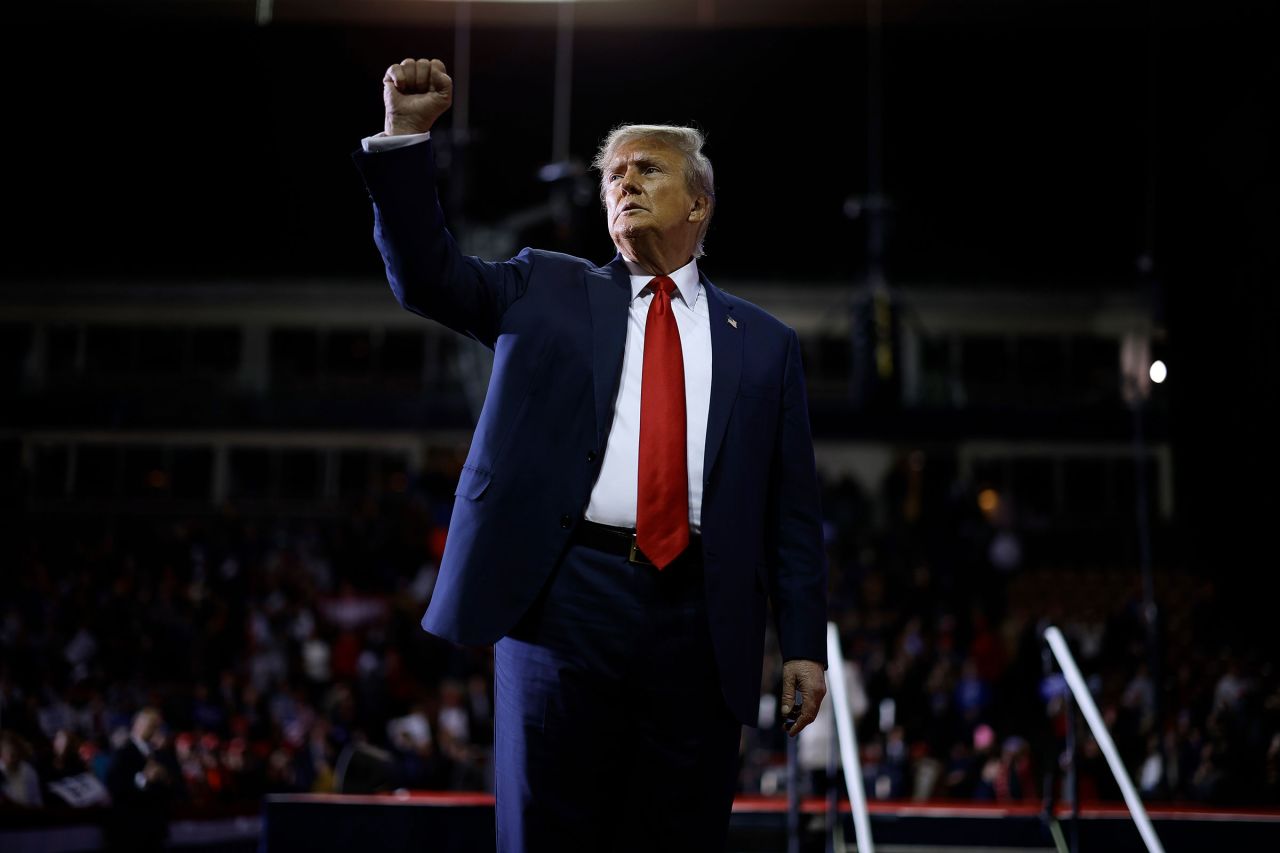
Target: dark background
1036,145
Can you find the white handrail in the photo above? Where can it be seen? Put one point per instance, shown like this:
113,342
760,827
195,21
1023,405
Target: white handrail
1058,644
848,739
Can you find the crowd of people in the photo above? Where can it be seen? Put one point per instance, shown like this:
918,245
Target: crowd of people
216,659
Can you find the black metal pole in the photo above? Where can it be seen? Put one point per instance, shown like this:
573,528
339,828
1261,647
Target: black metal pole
1073,777
1150,610
833,787
793,796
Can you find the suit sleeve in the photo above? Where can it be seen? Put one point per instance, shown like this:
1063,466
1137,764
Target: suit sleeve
797,559
427,273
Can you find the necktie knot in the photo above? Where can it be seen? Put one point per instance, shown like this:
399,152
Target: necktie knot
663,284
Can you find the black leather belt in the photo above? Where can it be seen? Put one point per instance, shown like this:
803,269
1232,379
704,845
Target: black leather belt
622,541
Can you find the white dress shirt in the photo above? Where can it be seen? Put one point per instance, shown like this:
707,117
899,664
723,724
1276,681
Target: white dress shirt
613,498
382,142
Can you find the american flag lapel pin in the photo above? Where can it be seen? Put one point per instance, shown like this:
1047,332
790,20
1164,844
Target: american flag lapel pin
733,322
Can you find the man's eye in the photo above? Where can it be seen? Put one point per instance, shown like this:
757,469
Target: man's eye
614,177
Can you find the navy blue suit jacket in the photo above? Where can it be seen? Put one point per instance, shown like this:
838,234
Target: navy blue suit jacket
557,325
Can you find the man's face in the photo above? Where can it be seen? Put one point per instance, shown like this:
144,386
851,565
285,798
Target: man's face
646,195
145,725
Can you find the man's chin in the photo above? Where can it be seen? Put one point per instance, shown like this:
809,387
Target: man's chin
630,234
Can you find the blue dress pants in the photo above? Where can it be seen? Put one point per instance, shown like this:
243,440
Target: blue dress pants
611,731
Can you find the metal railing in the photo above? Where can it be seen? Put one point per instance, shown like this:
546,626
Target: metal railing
1084,700
847,737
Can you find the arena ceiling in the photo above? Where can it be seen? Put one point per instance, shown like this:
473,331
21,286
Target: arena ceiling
633,13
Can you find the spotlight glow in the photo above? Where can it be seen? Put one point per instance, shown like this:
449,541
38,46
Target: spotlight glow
1158,371
988,500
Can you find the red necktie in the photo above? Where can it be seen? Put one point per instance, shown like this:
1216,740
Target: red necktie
662,500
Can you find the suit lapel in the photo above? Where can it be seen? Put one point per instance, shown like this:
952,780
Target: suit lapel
726,367
608,294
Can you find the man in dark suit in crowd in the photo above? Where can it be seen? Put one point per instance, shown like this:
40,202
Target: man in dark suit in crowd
640,481
141,788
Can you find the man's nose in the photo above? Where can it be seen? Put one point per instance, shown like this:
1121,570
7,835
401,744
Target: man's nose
628,184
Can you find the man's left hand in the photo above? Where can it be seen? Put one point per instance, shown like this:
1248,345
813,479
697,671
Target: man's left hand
805,676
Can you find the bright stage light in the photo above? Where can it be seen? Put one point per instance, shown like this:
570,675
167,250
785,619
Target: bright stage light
1158,371
988,500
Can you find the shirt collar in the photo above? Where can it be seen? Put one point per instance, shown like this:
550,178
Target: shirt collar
685,278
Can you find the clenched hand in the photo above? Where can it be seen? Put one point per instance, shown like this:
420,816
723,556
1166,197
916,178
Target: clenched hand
415,93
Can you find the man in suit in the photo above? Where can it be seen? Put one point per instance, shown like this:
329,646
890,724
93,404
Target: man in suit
141,788
641,478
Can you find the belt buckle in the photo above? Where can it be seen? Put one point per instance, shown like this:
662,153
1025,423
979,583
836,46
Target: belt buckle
635,555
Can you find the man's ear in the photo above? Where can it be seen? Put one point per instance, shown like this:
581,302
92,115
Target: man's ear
701,207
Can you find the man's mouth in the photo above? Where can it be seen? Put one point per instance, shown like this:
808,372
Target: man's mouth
627,208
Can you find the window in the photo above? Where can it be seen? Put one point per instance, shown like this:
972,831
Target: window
1095,367
215,350
300,474
294,356
1041,368
109,350
250,470
402,355
49,474
161,350
97,470
192,469
15,342
348,353
61,345
353,472
985,365
145,473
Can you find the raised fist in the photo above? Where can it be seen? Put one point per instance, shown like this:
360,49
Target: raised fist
415,93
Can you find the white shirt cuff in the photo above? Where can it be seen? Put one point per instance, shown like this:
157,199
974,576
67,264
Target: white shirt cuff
382,142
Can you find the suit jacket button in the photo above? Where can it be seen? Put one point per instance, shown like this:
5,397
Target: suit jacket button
566,521
591,456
